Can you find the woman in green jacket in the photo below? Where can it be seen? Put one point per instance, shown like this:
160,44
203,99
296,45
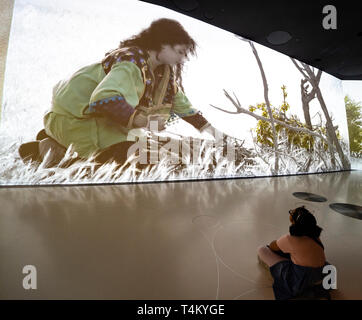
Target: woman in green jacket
96,108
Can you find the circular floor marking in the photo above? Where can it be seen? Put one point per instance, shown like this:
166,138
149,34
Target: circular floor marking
309,196
205,221
349,210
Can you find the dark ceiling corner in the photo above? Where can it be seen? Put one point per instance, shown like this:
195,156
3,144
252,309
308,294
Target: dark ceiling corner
291,27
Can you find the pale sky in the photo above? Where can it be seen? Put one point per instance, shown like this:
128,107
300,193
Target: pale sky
50,40
353,89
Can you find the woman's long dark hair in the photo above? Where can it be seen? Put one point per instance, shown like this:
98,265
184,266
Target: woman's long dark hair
163,32
305,224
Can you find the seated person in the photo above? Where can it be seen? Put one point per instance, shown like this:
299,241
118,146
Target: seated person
296,260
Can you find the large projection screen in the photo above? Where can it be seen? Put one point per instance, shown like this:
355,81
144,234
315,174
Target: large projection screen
272,115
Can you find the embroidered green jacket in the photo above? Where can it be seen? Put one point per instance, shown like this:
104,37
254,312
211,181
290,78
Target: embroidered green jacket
94,109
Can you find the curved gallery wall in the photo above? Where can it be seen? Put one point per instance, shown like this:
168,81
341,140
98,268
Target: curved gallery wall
298,125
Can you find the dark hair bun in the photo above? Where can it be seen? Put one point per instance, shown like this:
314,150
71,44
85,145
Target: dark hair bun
307,218
305,224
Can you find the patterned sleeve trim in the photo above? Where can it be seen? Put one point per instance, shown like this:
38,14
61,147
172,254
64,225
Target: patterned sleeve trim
115,108
187,114
196,120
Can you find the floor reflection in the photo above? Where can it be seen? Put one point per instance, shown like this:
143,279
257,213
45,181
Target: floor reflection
182,239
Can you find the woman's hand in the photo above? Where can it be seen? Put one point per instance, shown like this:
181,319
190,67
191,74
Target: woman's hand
151,122
215,133
156,122
140,121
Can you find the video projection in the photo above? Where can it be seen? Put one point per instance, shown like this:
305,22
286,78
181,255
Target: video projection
353,99
124,91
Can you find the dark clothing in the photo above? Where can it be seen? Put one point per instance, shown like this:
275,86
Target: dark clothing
291,280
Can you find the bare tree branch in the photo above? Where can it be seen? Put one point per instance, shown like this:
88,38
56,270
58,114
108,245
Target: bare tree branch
256,116
314,79
237,99
267,102
307,164
241,38
235,103
307,97
226,111
320,156
319,76
299,68
259,155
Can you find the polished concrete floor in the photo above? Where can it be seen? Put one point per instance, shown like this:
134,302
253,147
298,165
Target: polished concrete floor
186,240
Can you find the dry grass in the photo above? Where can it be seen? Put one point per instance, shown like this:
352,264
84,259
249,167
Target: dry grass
211,163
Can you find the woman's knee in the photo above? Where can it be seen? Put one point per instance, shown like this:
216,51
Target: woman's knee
262,249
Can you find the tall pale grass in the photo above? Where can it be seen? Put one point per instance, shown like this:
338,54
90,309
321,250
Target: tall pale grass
210,164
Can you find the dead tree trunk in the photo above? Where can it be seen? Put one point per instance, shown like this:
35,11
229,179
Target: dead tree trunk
306,99
314,79
267,102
